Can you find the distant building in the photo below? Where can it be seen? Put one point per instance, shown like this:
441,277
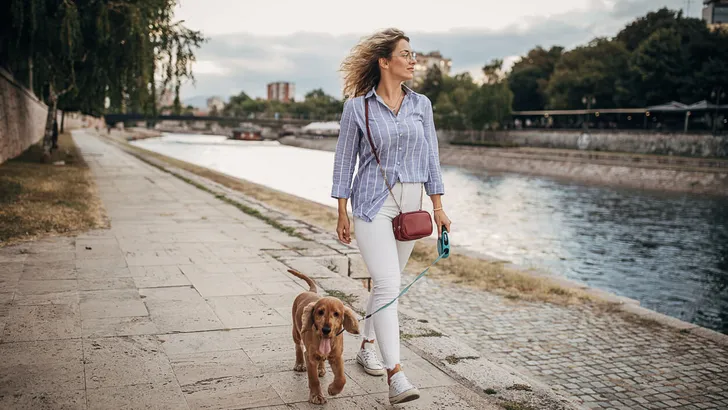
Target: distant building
215,104
425,62
715,13
281,91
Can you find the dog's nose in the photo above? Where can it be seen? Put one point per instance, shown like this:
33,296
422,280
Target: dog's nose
326,330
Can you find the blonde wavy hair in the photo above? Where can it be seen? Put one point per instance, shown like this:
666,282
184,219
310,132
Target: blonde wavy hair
361,66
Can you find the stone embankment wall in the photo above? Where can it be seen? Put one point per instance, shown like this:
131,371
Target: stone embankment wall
22,117
638,142
633,171
629,172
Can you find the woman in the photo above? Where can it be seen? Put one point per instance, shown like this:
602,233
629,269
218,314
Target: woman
403,132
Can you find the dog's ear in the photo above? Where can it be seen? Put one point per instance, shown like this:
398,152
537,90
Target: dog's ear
307,317
351,324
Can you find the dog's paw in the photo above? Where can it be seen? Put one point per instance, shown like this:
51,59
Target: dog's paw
300,367
335,389
321,371
316,398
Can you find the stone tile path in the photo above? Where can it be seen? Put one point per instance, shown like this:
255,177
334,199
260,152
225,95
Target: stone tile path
601,358
177,306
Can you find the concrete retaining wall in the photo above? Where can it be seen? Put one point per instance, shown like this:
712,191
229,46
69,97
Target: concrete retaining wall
22,117
669,178
633,171
694,145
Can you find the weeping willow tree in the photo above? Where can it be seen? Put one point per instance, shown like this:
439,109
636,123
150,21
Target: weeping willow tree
96,56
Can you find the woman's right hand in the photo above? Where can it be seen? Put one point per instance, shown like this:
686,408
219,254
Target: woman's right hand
343,228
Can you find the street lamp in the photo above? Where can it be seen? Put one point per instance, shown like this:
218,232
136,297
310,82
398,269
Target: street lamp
588,100
717,93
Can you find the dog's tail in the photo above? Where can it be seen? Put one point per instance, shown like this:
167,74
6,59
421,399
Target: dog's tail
311,284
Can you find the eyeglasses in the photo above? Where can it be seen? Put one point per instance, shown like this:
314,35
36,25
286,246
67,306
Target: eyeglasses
408,55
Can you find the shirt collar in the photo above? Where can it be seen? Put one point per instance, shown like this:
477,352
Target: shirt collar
373,92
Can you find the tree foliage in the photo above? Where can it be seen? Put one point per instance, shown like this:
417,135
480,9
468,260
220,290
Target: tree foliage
657,58
462,104
83,54
530,76
593,70
317,105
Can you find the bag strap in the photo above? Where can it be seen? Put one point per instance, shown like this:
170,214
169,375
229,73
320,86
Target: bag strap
376,156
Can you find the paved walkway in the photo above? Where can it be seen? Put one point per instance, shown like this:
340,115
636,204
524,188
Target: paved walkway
177,306
601,358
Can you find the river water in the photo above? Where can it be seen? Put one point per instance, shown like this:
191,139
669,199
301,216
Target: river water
669,251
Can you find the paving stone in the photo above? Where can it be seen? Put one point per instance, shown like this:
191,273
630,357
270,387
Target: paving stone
270,348
125,361
293,386
111,303
198,342
49,270
59,399
92,283
163,396
193,368
158,276
245,311
101,263
179,309
42,322
232,393
219,284
44,366
38,292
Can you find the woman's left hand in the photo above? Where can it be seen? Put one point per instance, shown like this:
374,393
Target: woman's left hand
440,220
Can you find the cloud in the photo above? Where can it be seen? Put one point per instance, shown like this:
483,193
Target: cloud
635,8
230,63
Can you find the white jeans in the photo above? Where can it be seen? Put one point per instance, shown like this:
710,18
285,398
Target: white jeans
385,258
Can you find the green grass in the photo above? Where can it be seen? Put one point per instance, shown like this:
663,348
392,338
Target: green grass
429,333
452,359
347,298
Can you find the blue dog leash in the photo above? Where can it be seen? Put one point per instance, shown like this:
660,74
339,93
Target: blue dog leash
443,250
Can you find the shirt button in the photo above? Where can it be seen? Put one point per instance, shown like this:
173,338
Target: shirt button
400,134
400,148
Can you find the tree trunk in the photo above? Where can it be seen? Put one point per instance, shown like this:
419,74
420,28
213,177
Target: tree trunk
48,136
30,75
63,121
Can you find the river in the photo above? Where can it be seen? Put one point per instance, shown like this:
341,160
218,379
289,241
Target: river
669,251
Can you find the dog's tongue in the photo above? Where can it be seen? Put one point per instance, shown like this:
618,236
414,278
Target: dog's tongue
325,346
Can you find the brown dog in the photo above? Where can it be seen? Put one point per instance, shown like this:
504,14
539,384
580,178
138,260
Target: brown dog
317,322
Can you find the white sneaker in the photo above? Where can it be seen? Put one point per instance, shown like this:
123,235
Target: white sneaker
367,358
401,390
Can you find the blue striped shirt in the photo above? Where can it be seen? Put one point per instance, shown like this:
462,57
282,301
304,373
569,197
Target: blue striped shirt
406,144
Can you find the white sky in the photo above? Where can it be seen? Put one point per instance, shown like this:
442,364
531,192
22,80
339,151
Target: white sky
280,17
253,42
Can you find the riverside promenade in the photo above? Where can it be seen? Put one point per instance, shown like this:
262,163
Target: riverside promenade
181,304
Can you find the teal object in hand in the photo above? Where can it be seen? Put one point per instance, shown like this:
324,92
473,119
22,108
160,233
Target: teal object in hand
443,244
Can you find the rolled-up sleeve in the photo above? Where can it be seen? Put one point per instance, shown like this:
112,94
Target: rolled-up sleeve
347,147
434,184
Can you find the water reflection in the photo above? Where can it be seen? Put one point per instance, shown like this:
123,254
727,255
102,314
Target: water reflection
668,251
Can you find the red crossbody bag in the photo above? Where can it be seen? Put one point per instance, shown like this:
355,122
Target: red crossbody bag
407,226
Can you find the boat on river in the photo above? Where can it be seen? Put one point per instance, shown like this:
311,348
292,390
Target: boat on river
247,132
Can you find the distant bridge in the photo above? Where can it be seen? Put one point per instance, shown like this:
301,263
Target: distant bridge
231,121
